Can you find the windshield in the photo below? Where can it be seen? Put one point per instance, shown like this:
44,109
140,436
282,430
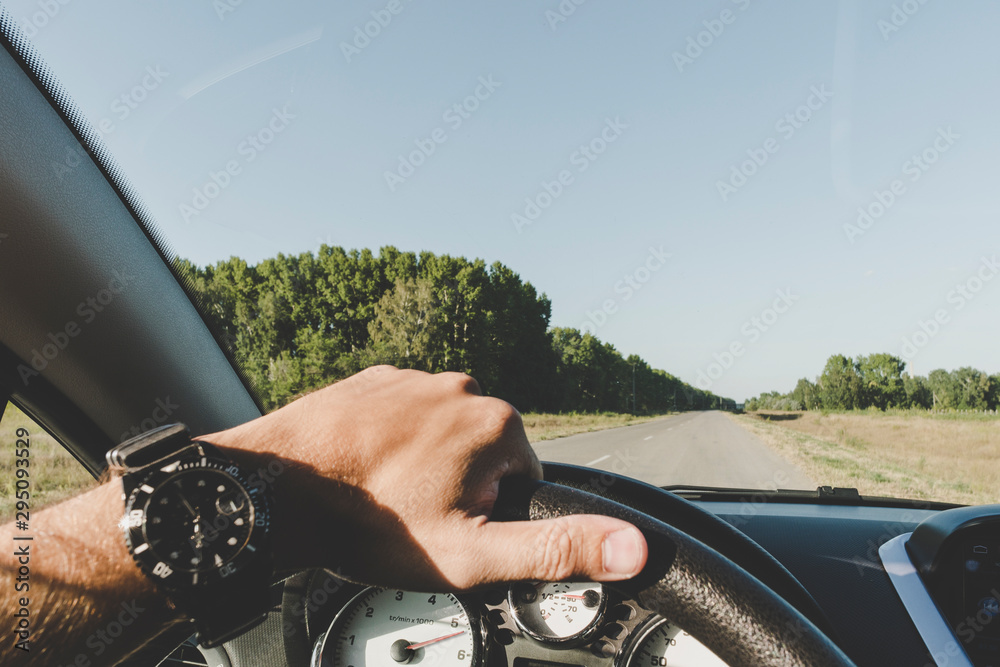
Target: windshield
762,236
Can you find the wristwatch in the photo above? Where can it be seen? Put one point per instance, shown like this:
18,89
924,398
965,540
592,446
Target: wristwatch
199,528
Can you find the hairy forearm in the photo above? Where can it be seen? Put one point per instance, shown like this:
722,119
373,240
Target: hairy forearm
86,602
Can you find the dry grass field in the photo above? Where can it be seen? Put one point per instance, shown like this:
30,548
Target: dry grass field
953,458
55,474
541,426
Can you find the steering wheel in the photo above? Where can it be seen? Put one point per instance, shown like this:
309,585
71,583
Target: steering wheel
711,596
708,595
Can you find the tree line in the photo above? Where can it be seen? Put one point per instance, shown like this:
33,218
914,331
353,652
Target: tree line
297,323
881,381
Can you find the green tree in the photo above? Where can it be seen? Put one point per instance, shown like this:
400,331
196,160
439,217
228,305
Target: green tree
918,392
881,378
404,329
806,395
840,384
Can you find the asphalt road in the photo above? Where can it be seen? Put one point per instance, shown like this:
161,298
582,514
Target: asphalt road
694,448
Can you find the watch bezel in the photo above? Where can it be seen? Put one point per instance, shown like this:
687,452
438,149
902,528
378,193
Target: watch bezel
248,558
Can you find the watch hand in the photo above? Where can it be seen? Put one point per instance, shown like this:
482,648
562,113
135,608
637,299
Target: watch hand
188,506
414,647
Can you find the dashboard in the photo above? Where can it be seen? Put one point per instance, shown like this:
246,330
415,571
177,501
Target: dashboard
849,557
564,624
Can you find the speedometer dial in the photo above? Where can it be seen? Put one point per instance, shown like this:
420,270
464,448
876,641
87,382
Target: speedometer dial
387,627
651,648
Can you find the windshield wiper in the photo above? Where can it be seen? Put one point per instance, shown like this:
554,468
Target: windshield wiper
823,495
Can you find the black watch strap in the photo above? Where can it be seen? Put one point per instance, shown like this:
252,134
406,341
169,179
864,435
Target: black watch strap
229,611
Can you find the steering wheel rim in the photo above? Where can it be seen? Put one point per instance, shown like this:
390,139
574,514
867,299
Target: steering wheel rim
698,523
716,601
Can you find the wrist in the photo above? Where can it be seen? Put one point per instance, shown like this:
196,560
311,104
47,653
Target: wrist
298,542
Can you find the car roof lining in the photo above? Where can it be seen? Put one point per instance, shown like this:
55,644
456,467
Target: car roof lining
87,292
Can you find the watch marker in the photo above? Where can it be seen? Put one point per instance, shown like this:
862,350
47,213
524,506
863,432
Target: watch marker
147,488
142,547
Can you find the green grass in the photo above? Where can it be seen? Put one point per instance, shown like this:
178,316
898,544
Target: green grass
54,474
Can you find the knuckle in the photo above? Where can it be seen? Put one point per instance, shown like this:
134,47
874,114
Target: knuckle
461,382
555,553
501,416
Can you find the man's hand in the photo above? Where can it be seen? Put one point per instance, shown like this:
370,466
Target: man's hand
388,477
391,475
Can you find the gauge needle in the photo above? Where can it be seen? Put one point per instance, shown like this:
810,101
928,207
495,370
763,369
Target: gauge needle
574,597
414,647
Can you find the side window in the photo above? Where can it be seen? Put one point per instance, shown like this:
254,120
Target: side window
34,462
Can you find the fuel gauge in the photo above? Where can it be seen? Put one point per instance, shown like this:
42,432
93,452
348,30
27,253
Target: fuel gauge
557,613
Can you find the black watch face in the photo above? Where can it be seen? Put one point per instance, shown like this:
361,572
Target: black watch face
198,520
194,522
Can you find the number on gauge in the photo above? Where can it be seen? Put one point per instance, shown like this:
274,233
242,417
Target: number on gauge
387,627
557,612
651,648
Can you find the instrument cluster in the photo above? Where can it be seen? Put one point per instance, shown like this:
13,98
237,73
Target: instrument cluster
559,624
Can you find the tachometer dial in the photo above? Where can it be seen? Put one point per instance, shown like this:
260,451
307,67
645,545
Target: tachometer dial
557,612
387,627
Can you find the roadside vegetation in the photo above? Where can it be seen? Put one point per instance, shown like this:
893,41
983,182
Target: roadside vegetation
543,426
881,381
55,474
297,323
952,457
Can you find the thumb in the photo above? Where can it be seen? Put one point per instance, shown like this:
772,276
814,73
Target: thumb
582,546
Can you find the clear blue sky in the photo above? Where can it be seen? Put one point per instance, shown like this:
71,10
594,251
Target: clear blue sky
345,116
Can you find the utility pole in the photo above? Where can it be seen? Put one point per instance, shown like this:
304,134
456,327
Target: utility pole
635,410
